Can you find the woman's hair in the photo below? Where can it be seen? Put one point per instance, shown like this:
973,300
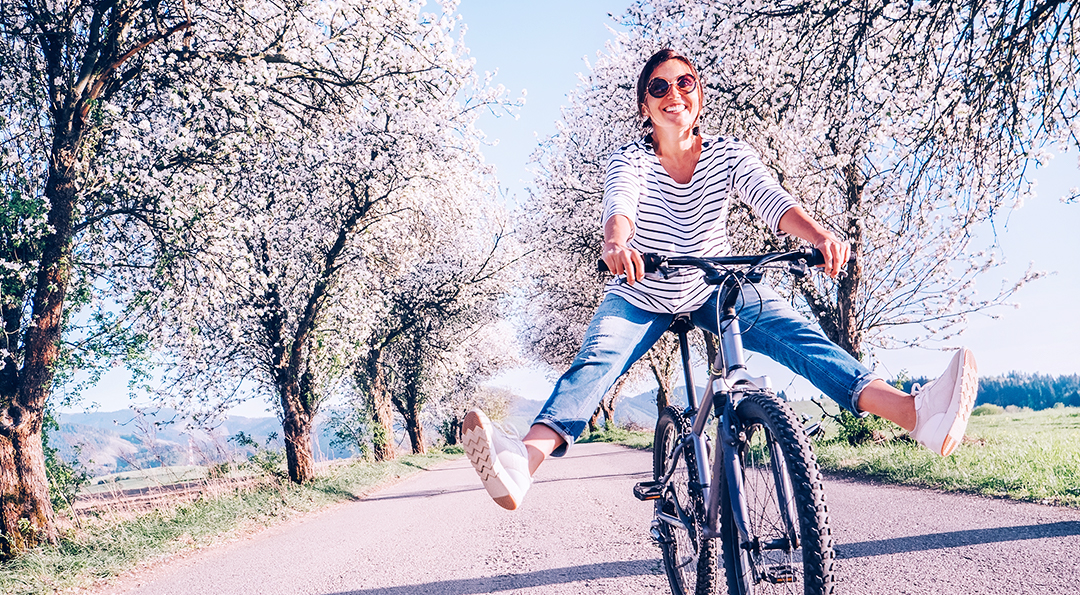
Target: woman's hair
646,75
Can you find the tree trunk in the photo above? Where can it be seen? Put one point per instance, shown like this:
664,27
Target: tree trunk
662,373
416,435
607,404
296,424
453,433
26,513
593,427
382,407
24,486
850,336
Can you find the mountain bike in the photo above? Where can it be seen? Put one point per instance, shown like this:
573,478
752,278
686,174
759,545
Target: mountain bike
755,483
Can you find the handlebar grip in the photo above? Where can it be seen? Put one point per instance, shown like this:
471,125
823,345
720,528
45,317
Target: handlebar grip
652,263
815,258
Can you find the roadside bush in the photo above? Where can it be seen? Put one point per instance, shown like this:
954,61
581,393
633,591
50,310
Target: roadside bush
988,409
264,460
65,479
862,430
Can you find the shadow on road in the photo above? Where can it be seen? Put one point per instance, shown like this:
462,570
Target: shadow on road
938,541
508,582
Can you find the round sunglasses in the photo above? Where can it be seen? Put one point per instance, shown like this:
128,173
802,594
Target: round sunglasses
659,87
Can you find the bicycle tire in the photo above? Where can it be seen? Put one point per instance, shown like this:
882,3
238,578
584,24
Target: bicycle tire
772,442
689,558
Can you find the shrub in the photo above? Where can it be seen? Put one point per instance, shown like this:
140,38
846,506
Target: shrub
861,430
988,409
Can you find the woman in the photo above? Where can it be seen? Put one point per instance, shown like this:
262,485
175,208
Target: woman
669,193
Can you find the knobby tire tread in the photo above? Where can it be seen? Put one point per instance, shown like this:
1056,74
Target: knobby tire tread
812,511
706,582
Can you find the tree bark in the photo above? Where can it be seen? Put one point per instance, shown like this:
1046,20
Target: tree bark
409,403
24,487
416,436
607,404
661,362
296,425
382,408
850,336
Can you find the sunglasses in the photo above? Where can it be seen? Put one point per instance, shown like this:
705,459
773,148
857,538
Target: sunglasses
658,87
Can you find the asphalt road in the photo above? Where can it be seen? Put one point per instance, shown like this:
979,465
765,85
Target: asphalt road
581,531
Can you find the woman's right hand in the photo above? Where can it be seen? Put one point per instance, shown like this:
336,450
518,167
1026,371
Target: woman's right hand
623,260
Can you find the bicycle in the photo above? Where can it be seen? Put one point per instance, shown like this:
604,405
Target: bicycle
762,493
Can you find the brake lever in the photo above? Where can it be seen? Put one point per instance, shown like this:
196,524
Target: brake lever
798,269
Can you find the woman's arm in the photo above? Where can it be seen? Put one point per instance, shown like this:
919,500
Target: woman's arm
620,258
796,222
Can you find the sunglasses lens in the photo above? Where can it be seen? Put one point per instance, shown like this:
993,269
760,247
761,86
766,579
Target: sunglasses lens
658,88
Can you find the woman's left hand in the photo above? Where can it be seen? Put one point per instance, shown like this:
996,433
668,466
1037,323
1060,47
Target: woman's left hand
836,253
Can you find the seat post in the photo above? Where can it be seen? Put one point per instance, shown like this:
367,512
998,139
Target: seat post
682,327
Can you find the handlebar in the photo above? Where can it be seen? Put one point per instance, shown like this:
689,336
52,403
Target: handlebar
654,262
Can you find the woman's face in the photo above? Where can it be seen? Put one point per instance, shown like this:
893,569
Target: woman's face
677,110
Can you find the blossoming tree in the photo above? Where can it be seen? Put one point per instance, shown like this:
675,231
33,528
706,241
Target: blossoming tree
307,156
899,125
58,63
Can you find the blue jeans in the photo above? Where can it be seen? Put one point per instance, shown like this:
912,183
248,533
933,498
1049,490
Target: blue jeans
620,333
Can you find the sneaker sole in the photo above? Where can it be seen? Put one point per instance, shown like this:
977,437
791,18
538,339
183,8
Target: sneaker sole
962,404
480,450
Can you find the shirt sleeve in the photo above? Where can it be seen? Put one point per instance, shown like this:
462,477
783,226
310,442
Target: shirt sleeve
756,186
623,185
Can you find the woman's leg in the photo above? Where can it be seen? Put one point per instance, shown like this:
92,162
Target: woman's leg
772,327
936,415
884,400
618,335
540,442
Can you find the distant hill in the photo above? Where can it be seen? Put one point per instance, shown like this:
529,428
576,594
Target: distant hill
111,441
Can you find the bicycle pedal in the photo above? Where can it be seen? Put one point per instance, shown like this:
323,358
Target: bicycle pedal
648,490
780,573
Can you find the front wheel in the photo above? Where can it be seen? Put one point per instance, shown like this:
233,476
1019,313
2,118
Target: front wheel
789,549
680,512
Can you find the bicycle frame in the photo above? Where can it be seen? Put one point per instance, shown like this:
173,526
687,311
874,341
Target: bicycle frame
727,378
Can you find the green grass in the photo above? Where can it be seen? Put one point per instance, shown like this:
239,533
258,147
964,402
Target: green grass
1023,455
1030,455
107,548
639,439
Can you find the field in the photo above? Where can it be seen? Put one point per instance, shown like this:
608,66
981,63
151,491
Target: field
1024,455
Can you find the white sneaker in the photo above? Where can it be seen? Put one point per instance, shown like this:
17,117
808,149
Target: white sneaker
942,408
501,460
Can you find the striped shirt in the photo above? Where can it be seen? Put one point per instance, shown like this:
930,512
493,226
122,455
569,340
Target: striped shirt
686,219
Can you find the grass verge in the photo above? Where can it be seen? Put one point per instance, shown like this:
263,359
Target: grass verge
1023,455
107,548
639,439
1029,455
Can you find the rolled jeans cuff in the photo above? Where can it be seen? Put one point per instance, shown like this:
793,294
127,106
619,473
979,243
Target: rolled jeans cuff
568,438
860,385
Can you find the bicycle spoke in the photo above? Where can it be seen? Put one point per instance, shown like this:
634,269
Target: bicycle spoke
782,491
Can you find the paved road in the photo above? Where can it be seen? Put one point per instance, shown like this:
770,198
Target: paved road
581,531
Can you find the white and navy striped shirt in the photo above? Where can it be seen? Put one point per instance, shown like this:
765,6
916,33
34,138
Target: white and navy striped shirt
686,219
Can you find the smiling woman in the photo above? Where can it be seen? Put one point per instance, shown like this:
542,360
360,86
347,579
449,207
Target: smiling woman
669,193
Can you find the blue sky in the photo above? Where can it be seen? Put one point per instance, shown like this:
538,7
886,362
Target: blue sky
541,46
